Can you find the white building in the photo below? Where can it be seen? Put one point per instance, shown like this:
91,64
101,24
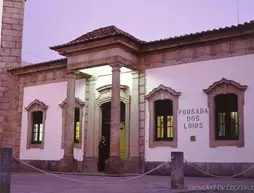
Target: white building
191,93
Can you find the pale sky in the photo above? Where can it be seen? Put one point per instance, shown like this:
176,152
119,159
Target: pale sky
52,22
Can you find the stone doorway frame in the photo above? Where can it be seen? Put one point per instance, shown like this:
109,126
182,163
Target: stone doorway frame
104,97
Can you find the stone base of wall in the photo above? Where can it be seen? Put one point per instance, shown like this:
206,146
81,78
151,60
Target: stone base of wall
130,166
15,165
218,169
46,165
90,165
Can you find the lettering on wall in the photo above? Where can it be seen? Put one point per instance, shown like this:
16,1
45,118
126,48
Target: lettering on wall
192,117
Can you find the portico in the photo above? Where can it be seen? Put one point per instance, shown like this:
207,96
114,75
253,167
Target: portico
85,61
116,91
68,163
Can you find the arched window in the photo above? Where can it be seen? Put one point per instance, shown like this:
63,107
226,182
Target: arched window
163,120
77,128
226,117
226,120
36,112
37,127
163,105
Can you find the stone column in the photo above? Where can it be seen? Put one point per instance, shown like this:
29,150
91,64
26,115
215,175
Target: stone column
90,162
133,162
68,163
142,88
134,126
114,162
177,170
5,169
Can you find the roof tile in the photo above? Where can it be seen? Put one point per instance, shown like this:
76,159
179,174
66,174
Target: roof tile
101,33
38,64
112,31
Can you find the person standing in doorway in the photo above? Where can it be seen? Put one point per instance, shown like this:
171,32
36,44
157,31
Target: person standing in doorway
102,154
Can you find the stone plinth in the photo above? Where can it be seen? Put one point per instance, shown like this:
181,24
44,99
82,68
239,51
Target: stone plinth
114,166
5,170
68,164
177,170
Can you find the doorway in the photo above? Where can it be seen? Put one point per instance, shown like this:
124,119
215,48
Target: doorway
105,128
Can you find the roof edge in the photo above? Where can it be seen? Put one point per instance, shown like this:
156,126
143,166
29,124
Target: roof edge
136,40
207,32
37,64
55,48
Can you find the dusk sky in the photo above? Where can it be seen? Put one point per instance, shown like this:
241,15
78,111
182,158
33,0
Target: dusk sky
52,22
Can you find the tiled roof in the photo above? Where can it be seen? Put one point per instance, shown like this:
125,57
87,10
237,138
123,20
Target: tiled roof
207,32
39,64
112,31
98,34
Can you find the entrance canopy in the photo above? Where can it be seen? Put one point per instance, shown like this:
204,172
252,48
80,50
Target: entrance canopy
104,46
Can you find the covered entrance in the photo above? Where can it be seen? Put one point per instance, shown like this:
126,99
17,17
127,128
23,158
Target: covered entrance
105,130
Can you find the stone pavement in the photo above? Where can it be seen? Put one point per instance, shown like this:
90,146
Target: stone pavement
42,183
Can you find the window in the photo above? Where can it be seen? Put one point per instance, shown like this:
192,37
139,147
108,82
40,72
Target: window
226,120
37,125
36,113
163,105
163,120
77,127
226,113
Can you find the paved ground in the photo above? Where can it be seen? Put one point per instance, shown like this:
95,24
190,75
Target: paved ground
42,183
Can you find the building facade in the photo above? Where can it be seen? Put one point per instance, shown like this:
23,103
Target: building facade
191,93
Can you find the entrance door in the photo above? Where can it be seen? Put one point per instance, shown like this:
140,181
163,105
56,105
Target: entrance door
105,126
122,132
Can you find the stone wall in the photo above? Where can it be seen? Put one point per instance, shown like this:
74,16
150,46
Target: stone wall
190,80
10,56
44,77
